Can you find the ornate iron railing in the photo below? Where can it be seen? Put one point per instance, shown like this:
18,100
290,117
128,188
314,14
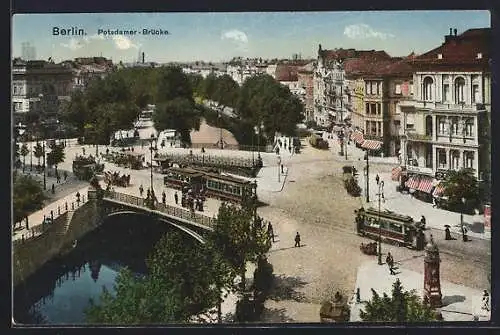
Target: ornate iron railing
162,208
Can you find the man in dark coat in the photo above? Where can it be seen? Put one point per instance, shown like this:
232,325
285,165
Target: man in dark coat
390,263
297,240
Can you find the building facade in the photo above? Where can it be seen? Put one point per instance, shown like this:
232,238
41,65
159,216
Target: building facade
445,127
305,79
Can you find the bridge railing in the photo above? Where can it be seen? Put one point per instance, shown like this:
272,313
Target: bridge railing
167,209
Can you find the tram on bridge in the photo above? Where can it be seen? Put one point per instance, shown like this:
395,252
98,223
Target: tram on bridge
391,227
208,182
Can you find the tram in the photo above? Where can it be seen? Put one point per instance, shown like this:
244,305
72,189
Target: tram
210,183
394,228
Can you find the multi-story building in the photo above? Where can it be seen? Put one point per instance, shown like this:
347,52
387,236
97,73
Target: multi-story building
305,79
331,96
445,127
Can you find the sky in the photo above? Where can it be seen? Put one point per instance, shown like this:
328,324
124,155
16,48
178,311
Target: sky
221,36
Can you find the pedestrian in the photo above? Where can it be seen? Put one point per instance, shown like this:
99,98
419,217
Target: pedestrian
58,177
434,205
377,179
390,263
27,225
447,234
358,296
270,231
297,240
176,198
422,222
141,190
486,301
65,175
290,149
163,198
83,150
464,234
53,189
282,168
78,197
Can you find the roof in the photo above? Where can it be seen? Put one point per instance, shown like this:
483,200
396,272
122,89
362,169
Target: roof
308,68
286,72
367,67
458,51
353,53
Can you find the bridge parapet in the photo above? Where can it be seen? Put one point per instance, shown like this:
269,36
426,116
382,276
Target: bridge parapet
162,208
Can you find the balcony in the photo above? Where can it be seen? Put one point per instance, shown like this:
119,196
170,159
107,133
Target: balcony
417,169
414,136
439,106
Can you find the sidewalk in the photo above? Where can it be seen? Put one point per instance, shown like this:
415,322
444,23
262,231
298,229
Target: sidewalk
405,204
461,303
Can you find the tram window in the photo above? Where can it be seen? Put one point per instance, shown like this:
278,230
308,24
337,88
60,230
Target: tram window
396,227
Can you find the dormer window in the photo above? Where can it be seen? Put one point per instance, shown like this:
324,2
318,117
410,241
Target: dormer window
440,56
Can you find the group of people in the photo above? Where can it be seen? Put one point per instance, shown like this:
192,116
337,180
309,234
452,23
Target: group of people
285,144
270,233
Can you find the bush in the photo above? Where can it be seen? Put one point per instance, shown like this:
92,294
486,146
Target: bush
263,277
347,169
352,187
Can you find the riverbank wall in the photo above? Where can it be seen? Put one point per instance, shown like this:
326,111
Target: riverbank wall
29,255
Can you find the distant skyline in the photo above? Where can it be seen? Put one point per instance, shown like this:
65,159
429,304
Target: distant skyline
221,36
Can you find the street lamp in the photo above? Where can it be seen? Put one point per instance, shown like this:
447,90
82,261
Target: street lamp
380,195
43,149
367,177
279,167
464,237
219,117
261,127
151,149
253,149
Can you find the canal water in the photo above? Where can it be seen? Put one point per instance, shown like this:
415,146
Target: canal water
60,292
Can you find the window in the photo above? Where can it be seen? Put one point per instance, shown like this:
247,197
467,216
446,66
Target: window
411,87
379,124
378,88
367,108
469,125
468,159
373,87
396,227
446,93
397,89
475,94
454,126
455,158
367,88
374,128
441,126
459,90
427,88
442,159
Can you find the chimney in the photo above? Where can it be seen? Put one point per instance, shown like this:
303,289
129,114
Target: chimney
452,36
143,57
455,31
451,31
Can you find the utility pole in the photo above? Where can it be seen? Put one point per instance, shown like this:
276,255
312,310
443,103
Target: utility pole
380,195
44,167
367,178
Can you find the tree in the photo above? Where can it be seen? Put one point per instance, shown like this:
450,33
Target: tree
240,236
27,197
38,152
179,284
77,111
402,306
24,151
461,184
173,83
55,156
226,91
178,114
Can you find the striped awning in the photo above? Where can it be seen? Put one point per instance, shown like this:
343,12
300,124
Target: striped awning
371,145
438,190
413,182
357,136
396,173
425,184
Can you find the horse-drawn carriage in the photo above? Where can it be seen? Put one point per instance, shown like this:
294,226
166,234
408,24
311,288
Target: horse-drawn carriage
84,167
114,178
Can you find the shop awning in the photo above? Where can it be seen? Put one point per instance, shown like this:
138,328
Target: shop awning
357,136
396,173
438,190
413,182
371,145
425,184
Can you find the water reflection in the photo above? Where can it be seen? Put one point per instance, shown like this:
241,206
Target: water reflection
60,291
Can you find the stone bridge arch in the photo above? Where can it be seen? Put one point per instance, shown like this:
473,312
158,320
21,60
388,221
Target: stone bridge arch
111,212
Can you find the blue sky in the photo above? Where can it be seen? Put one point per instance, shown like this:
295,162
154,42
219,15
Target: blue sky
221,36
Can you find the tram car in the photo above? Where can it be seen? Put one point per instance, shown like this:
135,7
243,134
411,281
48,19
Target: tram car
180,178
394,228
210,183
228,188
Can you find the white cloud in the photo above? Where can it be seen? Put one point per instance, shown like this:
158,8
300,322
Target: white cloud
235,35
363,31
124,43
93,37
73,44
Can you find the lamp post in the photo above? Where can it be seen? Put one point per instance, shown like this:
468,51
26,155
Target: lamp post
380,195
31,153
219,117
253,149
40,96
151,149
367,177
261,127
279,167
464,237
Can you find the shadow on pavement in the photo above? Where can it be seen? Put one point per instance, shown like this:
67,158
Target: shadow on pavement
285,288
275,315
281,249
451,299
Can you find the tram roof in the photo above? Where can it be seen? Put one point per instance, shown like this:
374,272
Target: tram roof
389,214
185,171
228,178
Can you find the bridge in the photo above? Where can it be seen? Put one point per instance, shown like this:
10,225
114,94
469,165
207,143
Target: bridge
57,239
194,224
